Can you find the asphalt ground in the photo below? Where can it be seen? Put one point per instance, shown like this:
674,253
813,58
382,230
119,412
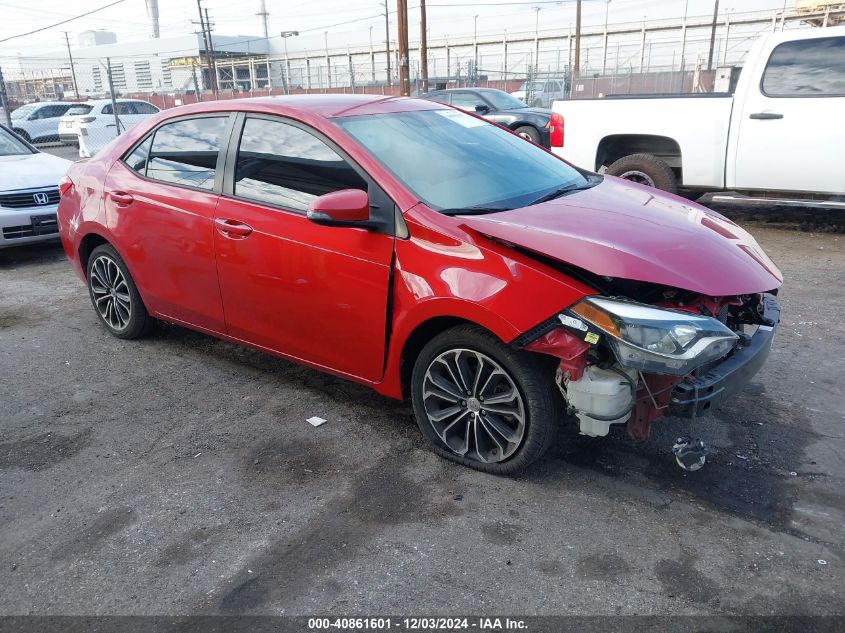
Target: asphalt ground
178,475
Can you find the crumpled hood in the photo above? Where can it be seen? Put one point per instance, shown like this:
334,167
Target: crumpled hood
621,229
31,171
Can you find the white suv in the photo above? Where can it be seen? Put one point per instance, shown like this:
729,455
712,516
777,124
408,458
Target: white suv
36,122
91,125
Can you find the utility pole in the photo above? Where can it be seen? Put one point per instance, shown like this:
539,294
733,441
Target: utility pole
196,83
372,57
4,102
206,48
537,38
713,35
604,48
113,100
423,49
404,78
72,69
328,61
387,42
577,65
213,60
684,36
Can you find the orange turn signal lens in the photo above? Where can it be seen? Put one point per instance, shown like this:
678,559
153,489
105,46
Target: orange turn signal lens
597,317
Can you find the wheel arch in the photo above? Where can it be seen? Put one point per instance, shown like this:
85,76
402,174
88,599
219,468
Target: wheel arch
518,124
87,245
615,146
412,332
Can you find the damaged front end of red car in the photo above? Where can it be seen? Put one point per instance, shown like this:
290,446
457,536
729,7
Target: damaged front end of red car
632,363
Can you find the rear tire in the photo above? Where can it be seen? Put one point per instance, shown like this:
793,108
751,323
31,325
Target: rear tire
114,295
529,133
498,414
645,169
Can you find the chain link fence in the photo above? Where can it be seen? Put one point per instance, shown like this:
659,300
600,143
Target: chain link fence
105,95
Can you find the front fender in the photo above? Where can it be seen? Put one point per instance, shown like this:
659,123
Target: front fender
470,278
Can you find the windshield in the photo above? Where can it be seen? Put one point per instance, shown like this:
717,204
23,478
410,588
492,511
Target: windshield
79,109
451,160
10,145
503,101
24,111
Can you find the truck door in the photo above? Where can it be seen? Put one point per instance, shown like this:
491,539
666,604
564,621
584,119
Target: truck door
789,136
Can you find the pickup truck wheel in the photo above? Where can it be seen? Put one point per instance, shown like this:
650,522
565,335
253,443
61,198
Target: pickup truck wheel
528,132
645,169
483,404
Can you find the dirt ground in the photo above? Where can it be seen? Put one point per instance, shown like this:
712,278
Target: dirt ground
177,475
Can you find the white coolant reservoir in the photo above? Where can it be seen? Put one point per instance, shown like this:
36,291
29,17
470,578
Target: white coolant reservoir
601,397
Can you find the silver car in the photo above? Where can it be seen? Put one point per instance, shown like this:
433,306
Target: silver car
29,191
38,122
541,92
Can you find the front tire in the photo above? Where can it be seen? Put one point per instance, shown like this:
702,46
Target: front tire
483,404
23,134
645,169
114,295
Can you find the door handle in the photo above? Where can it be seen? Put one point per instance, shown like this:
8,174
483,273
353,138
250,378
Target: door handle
121,198
232,228
765,116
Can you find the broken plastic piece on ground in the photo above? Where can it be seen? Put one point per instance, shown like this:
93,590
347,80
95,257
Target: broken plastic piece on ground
690,454
821,561
315,421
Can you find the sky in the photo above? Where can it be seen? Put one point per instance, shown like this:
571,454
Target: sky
321,21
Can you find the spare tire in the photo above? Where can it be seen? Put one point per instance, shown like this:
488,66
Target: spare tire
645,169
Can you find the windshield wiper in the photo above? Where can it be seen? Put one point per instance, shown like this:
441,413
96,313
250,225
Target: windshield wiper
473,210
561,191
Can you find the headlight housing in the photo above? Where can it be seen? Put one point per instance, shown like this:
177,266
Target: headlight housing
656,340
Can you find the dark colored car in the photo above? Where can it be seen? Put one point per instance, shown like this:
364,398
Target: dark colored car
429,254
535,124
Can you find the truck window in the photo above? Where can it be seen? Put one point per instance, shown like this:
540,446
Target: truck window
806,68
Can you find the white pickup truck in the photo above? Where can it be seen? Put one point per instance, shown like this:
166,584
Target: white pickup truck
779,139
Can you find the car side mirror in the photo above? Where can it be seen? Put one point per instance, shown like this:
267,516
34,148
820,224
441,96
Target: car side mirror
347,207
482,108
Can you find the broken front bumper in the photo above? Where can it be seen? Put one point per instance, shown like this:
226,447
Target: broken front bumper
695,396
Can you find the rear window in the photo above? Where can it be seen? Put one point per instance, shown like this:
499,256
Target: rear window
806,68
79,109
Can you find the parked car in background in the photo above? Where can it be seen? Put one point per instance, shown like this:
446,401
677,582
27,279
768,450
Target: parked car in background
37,122
429,254
498,106
92,124
29,191
779,139
541,93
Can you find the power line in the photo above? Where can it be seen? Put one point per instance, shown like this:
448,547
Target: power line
45,28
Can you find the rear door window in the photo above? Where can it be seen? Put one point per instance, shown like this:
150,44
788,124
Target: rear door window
185,152
145,108
466,100
806,68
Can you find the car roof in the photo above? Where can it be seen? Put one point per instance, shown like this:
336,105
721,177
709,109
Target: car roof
38,104
323,105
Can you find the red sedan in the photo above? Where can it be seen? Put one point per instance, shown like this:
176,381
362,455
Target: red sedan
420,250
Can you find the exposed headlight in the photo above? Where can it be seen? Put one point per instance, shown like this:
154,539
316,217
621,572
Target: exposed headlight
657,340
